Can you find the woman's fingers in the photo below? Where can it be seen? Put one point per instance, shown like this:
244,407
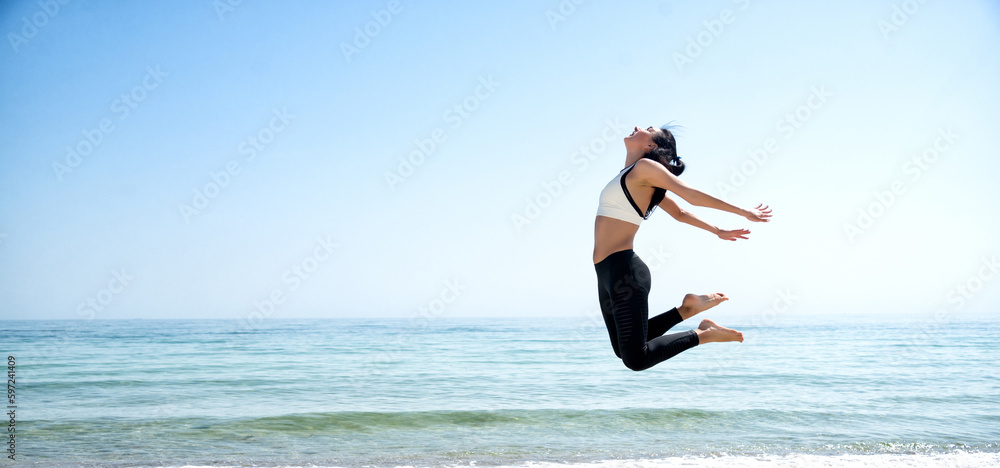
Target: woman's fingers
737,234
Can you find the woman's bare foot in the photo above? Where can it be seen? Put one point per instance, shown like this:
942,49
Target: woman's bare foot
709,332
694,304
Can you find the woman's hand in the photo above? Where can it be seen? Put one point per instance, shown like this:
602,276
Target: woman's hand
733,234
759,214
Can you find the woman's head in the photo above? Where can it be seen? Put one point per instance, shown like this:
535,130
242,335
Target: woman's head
657,144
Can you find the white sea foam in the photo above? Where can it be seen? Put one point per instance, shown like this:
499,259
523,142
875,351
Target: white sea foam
949,460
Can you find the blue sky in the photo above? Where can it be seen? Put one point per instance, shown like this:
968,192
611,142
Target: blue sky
405,159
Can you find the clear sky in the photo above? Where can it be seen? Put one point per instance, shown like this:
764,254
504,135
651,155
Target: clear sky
188,159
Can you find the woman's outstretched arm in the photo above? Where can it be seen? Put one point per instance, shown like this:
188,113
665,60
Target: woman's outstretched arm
656,175
678,213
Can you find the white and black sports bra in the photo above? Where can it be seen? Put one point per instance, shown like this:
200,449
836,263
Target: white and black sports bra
617,203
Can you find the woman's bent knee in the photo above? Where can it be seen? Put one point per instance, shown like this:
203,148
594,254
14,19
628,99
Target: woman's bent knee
634,364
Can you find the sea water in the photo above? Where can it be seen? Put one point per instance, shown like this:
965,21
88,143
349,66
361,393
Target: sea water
501,391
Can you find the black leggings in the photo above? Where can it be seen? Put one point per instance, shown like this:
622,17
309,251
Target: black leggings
623,284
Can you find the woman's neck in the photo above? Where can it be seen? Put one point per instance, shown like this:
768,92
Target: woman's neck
632,157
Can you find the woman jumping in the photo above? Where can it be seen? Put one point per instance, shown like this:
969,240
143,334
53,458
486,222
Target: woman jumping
623,280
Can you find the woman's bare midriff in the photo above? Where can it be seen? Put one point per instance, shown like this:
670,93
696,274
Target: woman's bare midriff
612,235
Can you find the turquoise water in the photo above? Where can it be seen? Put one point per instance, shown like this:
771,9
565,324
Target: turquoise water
402,392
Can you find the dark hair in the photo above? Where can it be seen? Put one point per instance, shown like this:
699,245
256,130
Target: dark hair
664,153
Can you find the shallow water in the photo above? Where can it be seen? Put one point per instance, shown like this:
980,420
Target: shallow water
391,392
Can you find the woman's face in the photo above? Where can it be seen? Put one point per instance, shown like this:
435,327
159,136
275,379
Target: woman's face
641,139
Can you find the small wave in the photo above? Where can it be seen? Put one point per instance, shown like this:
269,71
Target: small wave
755,424
374,421
951,460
